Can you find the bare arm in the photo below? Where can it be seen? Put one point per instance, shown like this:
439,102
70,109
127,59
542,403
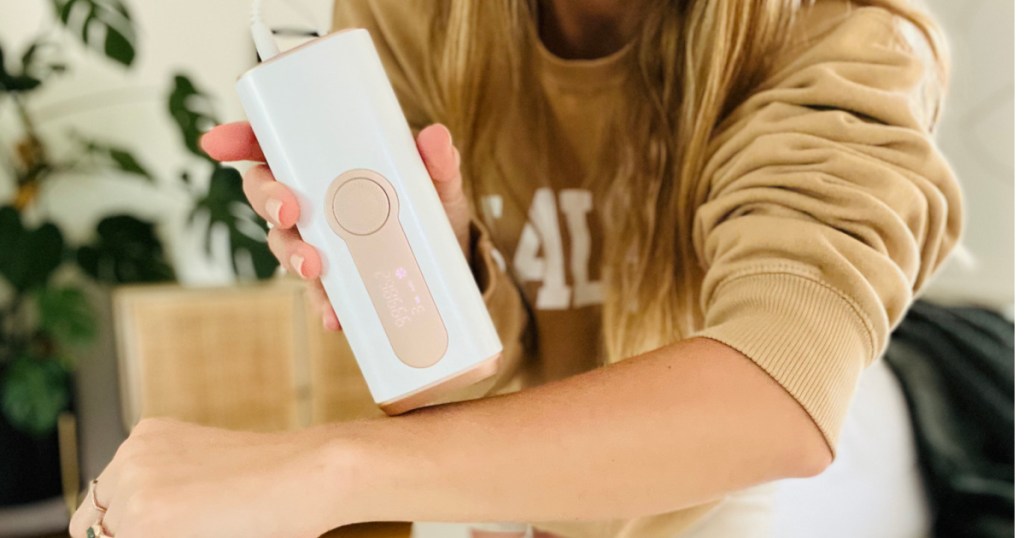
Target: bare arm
666,430
672,428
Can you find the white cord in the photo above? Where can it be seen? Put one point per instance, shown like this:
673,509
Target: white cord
262,37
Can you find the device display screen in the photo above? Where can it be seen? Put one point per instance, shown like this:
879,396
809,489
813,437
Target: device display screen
400,295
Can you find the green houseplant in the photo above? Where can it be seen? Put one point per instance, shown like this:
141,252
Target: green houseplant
46,317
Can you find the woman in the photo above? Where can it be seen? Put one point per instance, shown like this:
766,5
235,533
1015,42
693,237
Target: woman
731,202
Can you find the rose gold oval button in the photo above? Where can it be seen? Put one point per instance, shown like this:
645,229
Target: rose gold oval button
361,206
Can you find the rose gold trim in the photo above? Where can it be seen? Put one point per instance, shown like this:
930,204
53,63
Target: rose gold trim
432,392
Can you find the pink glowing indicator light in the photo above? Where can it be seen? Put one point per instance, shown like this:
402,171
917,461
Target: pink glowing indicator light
417,299
400,273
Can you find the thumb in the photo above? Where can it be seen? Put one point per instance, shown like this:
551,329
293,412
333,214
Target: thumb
443,163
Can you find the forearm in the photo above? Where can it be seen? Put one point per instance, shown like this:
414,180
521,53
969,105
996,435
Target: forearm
669,429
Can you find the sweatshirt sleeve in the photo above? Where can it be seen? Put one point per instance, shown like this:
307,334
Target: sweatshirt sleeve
828,207
400,33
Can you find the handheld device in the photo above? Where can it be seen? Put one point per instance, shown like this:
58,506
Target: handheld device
332,130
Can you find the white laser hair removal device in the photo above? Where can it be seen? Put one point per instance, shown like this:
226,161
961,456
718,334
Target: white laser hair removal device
332,130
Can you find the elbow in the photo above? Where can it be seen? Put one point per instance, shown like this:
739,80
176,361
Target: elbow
808,454
812,460
802,450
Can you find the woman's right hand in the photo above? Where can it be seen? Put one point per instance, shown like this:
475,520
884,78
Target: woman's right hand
277,204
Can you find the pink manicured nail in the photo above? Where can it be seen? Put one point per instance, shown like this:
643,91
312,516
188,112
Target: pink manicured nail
297,262
274,210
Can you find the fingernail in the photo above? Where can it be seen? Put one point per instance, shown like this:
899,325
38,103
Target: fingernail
274,210
297,262
451,141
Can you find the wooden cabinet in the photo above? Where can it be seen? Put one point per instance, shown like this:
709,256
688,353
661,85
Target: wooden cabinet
246,357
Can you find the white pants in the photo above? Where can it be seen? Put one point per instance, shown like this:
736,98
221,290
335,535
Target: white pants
747,514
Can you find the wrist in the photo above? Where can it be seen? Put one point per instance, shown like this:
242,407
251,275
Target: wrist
335,458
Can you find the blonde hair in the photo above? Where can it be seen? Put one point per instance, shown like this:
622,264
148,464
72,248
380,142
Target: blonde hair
694,62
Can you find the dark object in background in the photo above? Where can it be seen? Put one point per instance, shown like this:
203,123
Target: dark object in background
28,466
956,369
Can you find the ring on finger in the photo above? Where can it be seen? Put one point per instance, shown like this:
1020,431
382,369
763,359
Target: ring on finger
96,530
92,497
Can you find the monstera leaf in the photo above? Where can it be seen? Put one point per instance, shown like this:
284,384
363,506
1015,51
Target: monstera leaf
224,205
126,250
103,25
33,392
66,315
192,112
28,256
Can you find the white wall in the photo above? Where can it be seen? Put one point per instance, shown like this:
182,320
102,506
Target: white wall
208,40
977,136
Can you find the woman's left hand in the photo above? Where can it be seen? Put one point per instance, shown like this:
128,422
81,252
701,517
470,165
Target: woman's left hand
176,479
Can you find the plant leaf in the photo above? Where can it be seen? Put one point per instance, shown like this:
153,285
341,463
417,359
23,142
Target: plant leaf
128,163
225,206
117,157
126,250
19,83
33,392
29,256
119,48
66,314
192,112
106,27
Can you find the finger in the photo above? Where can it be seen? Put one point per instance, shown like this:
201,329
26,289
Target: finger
331,322
83,518
87,514
270,199
319,298
294,253
112,484
442,161
232,142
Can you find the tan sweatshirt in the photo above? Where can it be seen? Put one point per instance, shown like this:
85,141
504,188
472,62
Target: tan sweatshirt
826,210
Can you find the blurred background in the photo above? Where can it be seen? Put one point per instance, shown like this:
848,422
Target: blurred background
134,281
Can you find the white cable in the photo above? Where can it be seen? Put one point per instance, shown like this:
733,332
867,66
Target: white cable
262,37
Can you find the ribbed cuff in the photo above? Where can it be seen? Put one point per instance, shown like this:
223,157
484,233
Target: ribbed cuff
806,335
